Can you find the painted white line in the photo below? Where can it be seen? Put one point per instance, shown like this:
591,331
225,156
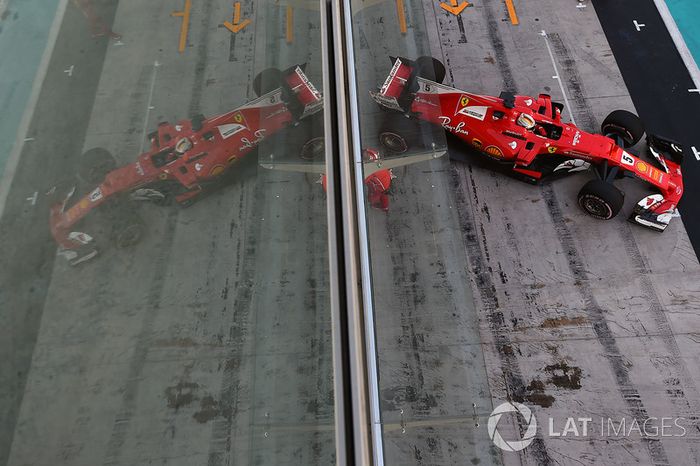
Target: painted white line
69,70
556,76
13,159
639,26
33,197
694,90
3,6
696,152
149,106
680,42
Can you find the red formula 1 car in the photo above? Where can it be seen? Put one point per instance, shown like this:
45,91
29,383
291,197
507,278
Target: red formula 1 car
528,136
186,160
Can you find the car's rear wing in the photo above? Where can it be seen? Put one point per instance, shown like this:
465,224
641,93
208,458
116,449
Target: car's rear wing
299,94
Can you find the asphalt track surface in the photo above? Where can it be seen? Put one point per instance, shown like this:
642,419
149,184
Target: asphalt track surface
208,343
660,87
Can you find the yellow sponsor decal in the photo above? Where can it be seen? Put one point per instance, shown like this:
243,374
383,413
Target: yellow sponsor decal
217,170
84,204
494,151
642,167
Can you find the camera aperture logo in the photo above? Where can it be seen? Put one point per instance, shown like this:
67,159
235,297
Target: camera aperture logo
512,445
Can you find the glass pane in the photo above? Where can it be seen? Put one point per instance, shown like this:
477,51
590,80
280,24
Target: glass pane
136,331
432,389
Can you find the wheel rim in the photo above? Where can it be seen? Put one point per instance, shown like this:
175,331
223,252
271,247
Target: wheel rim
596,207
129,236
313,149
394,142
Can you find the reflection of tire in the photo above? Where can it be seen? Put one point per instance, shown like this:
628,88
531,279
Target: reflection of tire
624,124
267,80
127,230
94,165
601,199
313,150
430,68
398,133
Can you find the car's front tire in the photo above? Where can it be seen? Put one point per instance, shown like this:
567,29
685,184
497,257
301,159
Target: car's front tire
600,199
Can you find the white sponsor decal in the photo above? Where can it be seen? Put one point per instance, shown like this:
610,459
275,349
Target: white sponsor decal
446,123
229,130
478,112
389,78
577,138
528,102
248,144
513,145
307,82
627,159
139,168
96,195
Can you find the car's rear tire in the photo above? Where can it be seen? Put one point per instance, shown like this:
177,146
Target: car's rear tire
431,68
600,199
128,229
266,81
94,165
626,125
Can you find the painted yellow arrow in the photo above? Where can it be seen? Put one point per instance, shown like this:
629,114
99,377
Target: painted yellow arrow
454,7
236,26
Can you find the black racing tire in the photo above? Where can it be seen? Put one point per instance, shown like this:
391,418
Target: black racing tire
624,124
431,68
128,230
94,166
266,81
398,133
600,199
313,150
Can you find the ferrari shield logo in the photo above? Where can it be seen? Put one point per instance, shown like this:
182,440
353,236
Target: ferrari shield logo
463,102
240,119
551,149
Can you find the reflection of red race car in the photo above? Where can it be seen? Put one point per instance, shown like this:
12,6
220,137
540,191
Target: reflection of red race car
527,135
377,171
187,159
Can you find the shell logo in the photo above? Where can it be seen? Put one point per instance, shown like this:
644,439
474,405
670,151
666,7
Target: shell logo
217,170
642,167
232,159
494,151
477,143
163,176
84,204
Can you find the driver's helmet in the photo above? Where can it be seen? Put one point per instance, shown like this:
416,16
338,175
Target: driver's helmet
526,121
183,145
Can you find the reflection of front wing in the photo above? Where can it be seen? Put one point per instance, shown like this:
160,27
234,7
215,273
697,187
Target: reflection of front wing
369,168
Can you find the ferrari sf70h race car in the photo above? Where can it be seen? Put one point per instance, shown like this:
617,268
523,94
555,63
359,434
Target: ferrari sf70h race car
186,159
528,136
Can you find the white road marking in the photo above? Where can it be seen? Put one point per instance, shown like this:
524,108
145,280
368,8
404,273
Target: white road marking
556,76
3,6
28,139
13,159
680,42
149,106
694,90
696,153
69,70
33,197
639,26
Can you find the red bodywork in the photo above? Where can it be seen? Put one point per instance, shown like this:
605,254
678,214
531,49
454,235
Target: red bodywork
490,125
215,145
